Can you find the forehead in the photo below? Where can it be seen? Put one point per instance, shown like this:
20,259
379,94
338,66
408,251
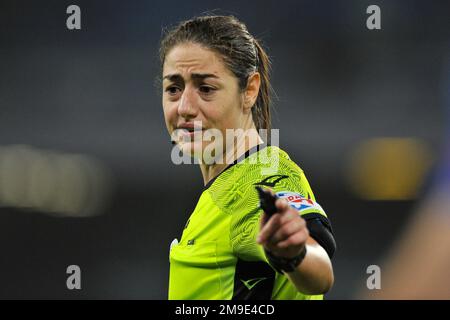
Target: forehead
191,58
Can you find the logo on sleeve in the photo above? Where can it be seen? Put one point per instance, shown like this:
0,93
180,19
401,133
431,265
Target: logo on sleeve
271,181
298,202
252,282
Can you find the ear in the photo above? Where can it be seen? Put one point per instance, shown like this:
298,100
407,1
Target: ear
252,90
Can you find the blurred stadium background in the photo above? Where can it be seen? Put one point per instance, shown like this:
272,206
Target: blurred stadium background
85,170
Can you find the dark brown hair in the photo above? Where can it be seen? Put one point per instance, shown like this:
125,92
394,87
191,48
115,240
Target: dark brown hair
241,52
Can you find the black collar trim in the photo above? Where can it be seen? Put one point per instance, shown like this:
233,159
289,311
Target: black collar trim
241,158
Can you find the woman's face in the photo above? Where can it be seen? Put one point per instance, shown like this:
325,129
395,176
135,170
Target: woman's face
198,87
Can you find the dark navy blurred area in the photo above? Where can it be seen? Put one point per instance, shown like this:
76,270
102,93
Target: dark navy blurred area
86,176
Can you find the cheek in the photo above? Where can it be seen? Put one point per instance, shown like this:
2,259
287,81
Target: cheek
225,112
170,115
215,116
228,115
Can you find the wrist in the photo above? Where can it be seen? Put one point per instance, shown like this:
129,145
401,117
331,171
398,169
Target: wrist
285,264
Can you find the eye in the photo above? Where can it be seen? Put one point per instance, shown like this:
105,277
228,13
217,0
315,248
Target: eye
172,90
207,89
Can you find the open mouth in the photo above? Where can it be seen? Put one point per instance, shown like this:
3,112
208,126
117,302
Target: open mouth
191,130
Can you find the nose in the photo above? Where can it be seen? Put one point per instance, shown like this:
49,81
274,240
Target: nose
187,106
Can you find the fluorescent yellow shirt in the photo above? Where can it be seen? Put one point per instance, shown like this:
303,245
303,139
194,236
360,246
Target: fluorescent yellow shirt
218,256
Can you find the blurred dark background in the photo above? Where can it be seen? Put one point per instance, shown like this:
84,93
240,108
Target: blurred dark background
85,170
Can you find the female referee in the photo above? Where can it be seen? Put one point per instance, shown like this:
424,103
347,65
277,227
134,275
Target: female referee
215,76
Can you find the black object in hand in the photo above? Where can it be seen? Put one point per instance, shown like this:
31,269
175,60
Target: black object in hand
267,201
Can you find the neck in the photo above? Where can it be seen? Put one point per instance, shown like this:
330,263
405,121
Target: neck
241,144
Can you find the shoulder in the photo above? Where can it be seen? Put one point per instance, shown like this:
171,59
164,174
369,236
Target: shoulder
271,167
276,170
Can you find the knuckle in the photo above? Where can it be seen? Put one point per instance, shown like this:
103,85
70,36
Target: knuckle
284,232
301,221
300,238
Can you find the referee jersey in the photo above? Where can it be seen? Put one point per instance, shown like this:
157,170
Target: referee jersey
217,256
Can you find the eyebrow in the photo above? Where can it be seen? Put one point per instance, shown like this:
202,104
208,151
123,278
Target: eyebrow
195,76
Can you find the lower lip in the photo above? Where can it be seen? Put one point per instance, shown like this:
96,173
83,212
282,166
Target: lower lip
191,133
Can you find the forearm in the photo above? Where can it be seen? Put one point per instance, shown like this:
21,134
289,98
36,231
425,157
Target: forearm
314,275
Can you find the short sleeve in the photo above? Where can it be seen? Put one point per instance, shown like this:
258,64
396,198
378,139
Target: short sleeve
244,227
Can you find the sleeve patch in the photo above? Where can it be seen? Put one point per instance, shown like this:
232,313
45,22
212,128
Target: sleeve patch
299,202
